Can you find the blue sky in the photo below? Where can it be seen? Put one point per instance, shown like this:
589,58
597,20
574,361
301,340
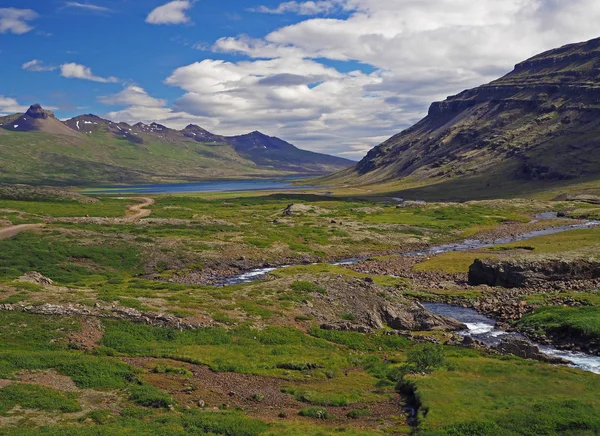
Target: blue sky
336,76
120,43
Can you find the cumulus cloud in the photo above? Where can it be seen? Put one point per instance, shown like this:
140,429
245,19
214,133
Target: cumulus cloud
38,66
301,8
77,71
89,7
132,95
396,58
11,105
170,13
13,20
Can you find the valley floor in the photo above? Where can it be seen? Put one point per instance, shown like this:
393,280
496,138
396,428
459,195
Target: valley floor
114,318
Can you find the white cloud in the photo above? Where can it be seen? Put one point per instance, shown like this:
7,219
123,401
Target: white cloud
77,71
11,105
418,52
36,65
408,53
88,7
133,95
301,8
170,13
13,20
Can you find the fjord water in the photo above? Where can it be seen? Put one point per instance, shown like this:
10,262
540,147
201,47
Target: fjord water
283,183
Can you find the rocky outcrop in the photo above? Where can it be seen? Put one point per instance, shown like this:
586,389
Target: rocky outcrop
111,312
522,348
36,278
415,317
36,111
503,130
363,306
519,274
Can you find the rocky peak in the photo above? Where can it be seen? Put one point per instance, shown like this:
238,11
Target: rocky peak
36,111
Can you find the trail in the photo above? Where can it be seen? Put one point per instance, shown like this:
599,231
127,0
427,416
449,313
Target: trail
138,211
9,232
134,212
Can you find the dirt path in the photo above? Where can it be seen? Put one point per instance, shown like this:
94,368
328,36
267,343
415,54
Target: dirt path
134,212
138,211
9,232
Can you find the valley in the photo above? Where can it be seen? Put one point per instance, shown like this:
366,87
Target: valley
123,298
163,281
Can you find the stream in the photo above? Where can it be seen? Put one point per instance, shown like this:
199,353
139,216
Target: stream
466,245
484,329
479,326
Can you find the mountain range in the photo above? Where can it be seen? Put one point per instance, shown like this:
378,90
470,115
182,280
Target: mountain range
537,126
36,147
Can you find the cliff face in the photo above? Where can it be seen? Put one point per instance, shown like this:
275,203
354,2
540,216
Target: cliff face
539,122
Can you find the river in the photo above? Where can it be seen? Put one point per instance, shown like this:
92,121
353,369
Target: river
479,326
485,330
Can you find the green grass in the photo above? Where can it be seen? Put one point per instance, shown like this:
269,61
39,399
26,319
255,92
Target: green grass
36,397
270,351
106,207
579,322
574,240
65,261
507,390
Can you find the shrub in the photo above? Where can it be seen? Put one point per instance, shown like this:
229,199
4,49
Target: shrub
314,412
425,358
149,396
165,369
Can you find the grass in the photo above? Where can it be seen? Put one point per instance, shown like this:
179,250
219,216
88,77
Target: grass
508,390
36,397
271,351
67,262
340,390
105,207
328,370
574,240
578,322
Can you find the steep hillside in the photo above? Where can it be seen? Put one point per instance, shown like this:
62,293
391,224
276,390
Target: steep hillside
540,123
35,147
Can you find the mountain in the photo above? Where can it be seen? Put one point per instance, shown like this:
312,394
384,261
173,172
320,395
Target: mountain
36,147
273,152
538,125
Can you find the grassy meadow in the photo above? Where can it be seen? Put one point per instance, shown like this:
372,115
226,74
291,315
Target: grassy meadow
259,362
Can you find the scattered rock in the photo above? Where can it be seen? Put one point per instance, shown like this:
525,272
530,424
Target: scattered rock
525,349
415,317
36,278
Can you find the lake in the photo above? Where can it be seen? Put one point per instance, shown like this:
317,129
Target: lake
208,186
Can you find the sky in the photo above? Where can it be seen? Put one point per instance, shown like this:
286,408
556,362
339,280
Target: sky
334,76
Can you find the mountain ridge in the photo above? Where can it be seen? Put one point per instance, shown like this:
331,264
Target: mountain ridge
539,123
88,149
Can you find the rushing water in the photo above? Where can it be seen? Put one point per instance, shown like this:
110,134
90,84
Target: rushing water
479,326
485,330
197,187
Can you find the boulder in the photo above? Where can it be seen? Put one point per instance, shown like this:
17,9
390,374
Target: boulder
415,317
35,277
523,348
